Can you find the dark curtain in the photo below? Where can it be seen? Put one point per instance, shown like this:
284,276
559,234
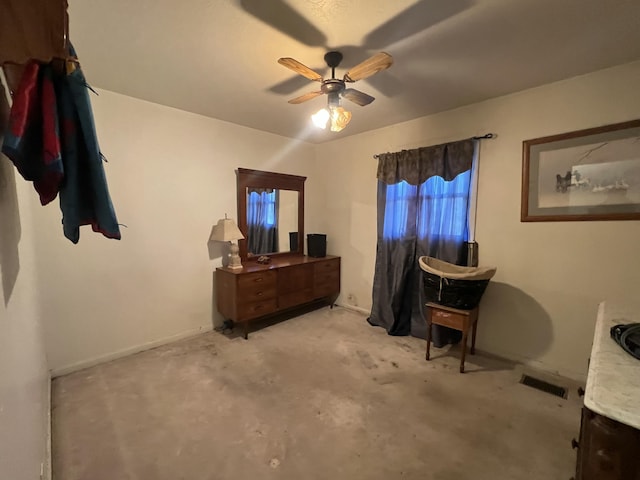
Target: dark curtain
262,221
423,197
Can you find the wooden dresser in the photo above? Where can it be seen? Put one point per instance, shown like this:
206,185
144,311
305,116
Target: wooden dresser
287,282
609,444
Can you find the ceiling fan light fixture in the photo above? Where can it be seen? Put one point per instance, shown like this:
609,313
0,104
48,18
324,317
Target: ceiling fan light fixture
339,118
334,115
320,118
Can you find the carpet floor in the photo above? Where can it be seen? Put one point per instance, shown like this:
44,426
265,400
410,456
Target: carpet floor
319,396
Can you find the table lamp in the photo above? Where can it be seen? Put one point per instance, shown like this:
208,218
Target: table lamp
227,231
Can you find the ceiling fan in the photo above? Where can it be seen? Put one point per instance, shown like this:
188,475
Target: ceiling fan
294,18
335,88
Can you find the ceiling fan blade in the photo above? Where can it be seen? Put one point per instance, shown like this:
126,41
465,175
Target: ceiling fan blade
298,67
305,97
282,17
380,61
358,97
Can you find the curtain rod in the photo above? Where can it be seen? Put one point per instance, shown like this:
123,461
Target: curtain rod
486,136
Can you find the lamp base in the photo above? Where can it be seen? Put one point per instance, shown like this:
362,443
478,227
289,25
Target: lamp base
234,258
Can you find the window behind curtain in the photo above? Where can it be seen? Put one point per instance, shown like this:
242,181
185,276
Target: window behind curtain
442,208
261,209
396,210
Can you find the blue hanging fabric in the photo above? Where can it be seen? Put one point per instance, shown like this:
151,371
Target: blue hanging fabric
52,141
84,196
423,204
261,222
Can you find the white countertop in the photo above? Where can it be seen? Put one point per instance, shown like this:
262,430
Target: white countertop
613,382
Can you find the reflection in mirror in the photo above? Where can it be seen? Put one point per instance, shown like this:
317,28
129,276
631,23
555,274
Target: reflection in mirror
272,219
273,204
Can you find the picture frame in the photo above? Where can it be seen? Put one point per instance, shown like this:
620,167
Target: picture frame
591,174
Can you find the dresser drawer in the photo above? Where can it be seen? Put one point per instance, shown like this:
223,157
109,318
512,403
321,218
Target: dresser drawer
251,310
331,276
326,289
257,292
295,278
447,319
327,266
296,298
266,278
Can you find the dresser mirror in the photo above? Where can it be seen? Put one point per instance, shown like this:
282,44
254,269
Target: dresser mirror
270,213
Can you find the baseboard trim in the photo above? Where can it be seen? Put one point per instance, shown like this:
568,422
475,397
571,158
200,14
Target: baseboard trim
74,367
536,365
354,308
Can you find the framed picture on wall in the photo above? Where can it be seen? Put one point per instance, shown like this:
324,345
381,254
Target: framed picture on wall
591,174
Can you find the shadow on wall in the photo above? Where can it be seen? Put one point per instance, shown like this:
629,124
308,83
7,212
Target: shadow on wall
517,319
218,250
9,214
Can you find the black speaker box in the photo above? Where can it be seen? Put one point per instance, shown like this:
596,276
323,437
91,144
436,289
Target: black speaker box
293,241
317,245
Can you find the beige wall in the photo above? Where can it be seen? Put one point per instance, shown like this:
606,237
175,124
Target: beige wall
24,378
172,176
541,306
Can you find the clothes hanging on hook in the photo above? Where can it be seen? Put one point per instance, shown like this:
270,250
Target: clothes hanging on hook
52,141
32,141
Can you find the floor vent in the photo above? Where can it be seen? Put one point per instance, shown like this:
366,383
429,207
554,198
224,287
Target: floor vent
544,386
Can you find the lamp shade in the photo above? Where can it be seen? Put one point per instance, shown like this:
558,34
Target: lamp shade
334,115
339,118
226,230
320,118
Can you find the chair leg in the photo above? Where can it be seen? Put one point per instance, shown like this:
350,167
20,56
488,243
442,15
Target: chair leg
473,337
464,349
428,334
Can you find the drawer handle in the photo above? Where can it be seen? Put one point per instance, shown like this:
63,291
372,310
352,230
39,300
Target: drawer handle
258,279
259,294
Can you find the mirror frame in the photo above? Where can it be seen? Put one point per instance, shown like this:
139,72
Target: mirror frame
260,179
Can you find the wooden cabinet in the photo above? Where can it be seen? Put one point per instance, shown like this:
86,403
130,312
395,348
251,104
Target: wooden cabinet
607,450
326,276
34,29
295,285
609,443
258,290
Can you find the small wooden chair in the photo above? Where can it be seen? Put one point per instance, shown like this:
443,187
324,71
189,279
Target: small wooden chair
453,318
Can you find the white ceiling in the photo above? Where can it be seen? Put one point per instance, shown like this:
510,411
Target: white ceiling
216,58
